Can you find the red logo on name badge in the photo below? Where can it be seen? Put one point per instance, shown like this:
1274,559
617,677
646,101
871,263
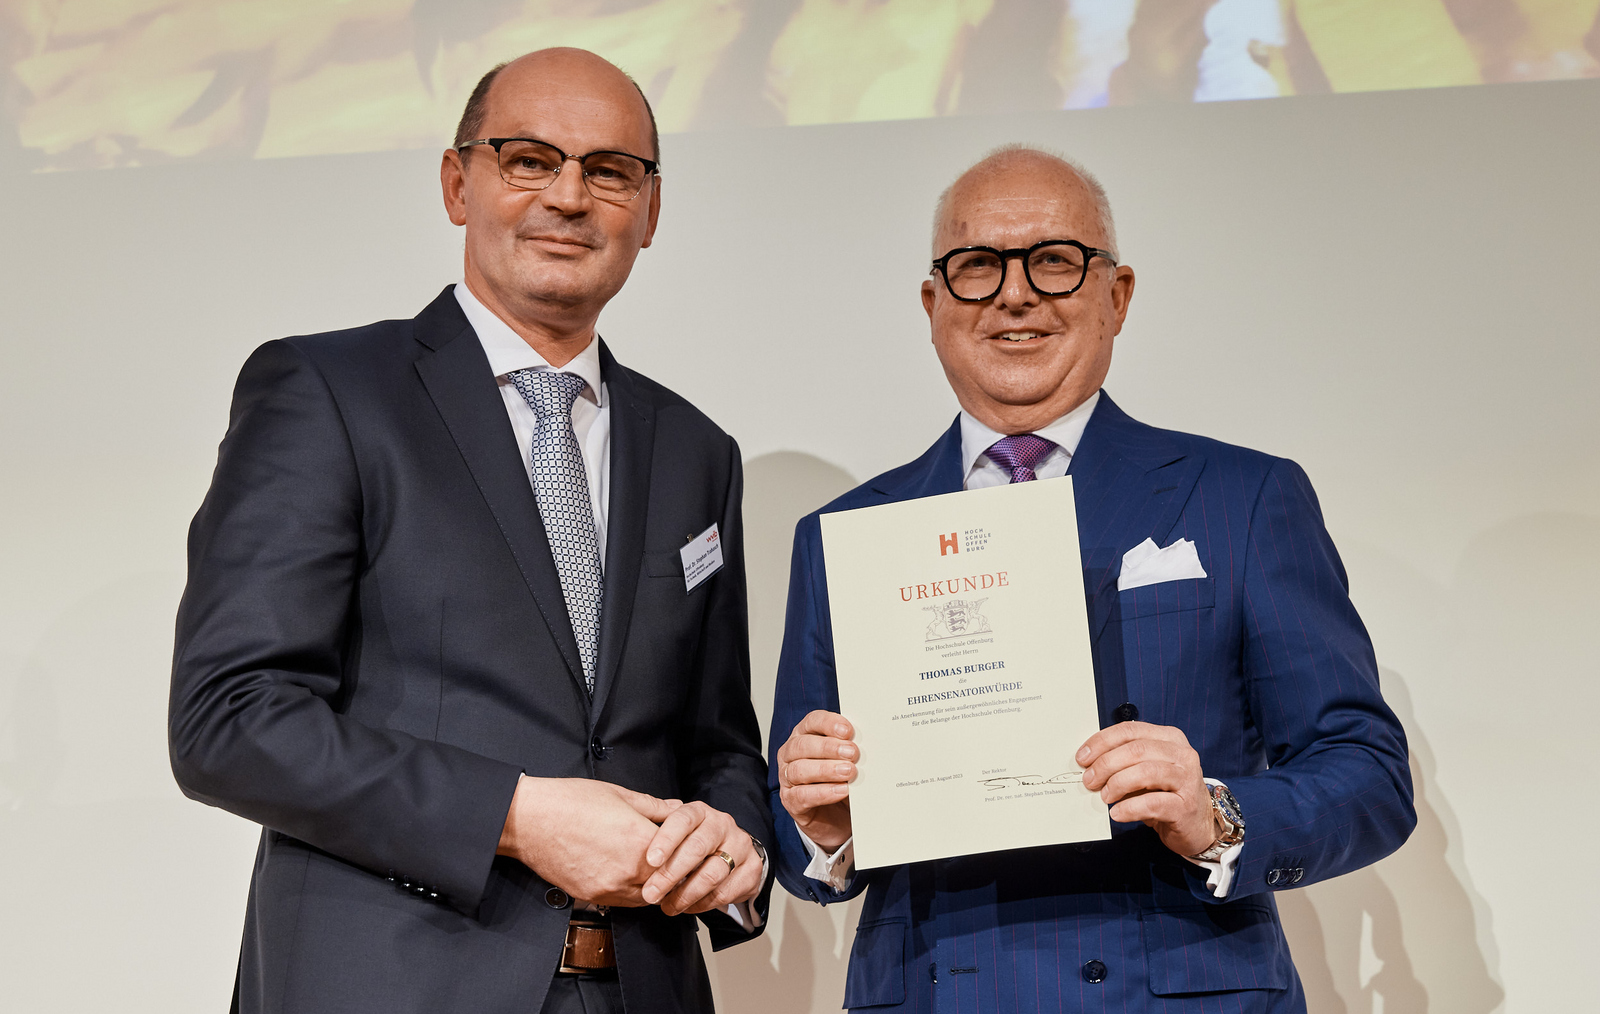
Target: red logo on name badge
949,544
712,537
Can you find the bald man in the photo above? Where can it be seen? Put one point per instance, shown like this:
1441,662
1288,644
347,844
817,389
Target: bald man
465,622
1244,748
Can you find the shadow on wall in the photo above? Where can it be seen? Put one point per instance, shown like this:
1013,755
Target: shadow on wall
779,489
88,808
1512,626
798,966
1347,935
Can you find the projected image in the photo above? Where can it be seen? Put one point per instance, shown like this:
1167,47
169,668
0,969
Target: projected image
95,83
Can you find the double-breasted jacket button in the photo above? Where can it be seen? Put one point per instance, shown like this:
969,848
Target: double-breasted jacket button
1094,970
556,898
1126,712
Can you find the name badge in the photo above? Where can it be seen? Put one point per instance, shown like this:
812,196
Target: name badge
701,558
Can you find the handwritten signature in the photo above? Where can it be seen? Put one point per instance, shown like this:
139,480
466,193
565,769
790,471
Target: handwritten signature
1020,781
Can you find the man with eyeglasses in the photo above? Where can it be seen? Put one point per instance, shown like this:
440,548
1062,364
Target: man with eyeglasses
1245,747
465,622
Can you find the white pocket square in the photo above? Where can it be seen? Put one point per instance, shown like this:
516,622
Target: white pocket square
1148,564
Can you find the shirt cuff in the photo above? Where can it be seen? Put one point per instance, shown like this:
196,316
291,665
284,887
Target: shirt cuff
1220,870
836,870
1220,876
744,912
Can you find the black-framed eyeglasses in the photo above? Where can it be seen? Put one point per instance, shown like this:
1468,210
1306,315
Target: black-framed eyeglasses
530,164
1055,267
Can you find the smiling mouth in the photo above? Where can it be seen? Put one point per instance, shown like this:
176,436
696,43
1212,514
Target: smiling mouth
1016,336
564,242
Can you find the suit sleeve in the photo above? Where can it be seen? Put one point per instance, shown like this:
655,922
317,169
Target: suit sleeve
1337,793
721,741
263,632
807,682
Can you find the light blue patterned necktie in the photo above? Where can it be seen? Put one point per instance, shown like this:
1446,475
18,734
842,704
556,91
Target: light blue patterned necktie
561,487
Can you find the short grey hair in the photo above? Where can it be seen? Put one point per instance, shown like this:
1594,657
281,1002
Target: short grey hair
1102,204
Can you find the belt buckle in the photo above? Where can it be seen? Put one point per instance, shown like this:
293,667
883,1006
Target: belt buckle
590,946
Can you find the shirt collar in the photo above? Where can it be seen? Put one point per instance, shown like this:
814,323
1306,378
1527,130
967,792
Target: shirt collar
1065,433
508,353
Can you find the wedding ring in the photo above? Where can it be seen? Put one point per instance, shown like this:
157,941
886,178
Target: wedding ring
727,859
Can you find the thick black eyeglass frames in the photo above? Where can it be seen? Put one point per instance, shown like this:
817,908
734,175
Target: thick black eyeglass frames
1055,267
530,164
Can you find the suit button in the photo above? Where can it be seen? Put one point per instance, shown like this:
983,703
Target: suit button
1126,713
597,748
1273,876
1296,876
1083,847
556,898
1094,970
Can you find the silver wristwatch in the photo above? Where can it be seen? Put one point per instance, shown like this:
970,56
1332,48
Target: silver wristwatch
1230,824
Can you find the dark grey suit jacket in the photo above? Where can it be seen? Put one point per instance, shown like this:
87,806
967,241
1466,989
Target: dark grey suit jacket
373,646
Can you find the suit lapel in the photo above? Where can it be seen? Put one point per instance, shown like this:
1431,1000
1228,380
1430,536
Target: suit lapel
633,424
1131,483
456,374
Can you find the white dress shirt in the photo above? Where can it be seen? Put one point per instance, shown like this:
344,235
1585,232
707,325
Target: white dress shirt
591,424
591,410
978,471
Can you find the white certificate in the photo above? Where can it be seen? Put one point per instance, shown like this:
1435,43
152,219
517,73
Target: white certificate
961,643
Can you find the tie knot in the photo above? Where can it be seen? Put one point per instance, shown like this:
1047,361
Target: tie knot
548,392
1020,454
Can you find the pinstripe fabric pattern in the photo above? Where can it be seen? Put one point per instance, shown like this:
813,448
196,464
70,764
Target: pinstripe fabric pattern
1266,668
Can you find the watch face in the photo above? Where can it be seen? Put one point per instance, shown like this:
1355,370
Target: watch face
1228,805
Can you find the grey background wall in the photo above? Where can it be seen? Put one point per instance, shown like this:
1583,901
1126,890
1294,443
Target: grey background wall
1397,290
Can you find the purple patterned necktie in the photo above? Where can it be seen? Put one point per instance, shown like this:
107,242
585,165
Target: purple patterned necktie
1020,453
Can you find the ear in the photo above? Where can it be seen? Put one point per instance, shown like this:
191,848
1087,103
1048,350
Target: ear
453,183
655,210
927,297
1121,294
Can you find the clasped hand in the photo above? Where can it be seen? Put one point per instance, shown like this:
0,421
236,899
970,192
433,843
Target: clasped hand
1145,773
609,845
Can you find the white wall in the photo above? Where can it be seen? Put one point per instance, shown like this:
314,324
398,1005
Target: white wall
1397,290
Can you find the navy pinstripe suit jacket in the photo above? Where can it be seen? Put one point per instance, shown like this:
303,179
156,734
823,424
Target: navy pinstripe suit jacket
1263,664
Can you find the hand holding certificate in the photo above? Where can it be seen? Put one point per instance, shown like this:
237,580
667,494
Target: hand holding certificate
962,651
